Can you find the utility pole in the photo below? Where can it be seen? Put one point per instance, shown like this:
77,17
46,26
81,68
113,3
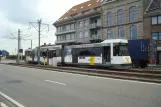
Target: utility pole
39,22
18,55
31,44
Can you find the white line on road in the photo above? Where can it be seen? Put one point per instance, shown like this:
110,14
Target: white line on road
3,105
11,100
55,82
115,79
124,80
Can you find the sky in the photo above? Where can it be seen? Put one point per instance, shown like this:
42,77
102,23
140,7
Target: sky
16,14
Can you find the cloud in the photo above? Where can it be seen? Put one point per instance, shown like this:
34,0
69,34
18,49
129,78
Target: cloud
16,14
20,11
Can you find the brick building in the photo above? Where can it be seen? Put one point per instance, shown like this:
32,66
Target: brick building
123,19
152,23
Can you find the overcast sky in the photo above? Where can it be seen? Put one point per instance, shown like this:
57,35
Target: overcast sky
16,14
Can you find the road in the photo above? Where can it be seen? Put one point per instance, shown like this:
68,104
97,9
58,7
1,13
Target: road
41,88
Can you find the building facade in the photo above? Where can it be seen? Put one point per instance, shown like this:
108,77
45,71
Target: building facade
97,20
152,23
81,24
123,19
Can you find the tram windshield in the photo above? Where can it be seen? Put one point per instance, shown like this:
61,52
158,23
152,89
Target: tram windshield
121,50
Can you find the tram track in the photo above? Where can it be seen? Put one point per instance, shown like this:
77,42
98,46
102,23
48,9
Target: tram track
132,74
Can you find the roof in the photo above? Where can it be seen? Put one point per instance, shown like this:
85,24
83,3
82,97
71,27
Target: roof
154,5
91,4
104,43
115,41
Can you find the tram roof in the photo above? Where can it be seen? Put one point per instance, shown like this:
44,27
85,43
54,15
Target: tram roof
115,41
104,43
29,50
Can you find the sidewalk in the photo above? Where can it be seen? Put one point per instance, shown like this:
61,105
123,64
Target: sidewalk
10,61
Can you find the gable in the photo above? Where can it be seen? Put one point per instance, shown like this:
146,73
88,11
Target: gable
154,5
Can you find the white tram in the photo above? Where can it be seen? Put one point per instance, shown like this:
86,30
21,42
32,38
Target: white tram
28,55
46,54
108,53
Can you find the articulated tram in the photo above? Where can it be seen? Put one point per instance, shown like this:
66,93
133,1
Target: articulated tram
113,52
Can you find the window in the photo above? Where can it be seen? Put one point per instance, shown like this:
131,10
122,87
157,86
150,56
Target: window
64,37
156,20
64,28
58,38
110,34
121,32
90,51
59,29
68,51
110,19
72,36
156,36
80,24
86,34
80,35
67,27
87,52
95,21
61,38
95,32
159,19
132,14
133,33
120,50
120,16
67,36
72,26
85,22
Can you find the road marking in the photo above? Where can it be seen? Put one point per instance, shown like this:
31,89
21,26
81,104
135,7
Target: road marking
55,82
124,80
3,105
11,100
107,78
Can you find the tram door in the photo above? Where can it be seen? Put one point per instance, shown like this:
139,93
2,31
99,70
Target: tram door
106,55
74,56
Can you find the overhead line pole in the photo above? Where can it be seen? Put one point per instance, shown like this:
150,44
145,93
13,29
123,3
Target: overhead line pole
18,54
31,43
39,22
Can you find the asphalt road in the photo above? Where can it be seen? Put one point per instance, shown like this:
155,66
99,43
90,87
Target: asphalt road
41,88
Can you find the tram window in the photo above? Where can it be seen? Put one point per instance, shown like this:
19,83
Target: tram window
43,54
86,52
120,50
68,51
97,51
116,51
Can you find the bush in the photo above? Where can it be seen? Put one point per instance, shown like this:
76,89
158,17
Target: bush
11,57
